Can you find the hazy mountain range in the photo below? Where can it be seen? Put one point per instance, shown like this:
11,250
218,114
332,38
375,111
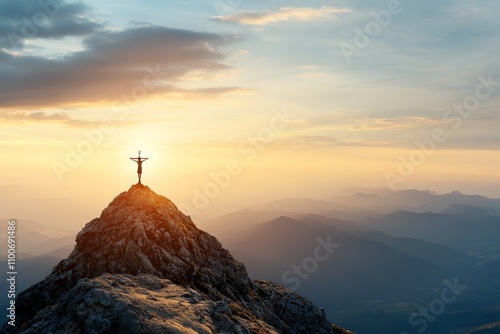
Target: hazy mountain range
396,249
394,252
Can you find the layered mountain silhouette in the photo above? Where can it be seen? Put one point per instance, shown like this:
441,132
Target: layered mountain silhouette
387,266
385,202
144,267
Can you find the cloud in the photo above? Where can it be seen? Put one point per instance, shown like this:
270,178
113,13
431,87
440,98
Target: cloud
307,141
136,63
33,116
401,122
62,118
281,15
23,20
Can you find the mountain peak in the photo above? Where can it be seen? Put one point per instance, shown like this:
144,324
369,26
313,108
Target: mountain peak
140,196
141,232
142,237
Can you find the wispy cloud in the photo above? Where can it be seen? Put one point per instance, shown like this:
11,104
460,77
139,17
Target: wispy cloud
307,141
283,14
405,122
62,118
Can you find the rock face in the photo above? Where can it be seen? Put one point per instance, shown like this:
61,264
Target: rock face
144,267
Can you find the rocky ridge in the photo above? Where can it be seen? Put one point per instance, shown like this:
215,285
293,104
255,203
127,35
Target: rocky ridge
144,267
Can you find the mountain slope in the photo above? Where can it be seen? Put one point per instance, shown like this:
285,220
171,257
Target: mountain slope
466,211
142,254
476,236
441,256
372,280
358,269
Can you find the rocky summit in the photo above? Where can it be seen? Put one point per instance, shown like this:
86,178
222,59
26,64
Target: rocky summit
144,267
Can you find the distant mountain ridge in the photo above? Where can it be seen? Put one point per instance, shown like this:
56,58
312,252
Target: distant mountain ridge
383,202
396,250
466,211
37,238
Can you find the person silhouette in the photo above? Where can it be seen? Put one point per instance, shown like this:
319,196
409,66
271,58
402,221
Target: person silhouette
139,161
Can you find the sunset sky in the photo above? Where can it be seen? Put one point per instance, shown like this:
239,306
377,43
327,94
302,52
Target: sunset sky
274,98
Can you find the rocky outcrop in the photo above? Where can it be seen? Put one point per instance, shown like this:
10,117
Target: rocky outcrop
144,267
